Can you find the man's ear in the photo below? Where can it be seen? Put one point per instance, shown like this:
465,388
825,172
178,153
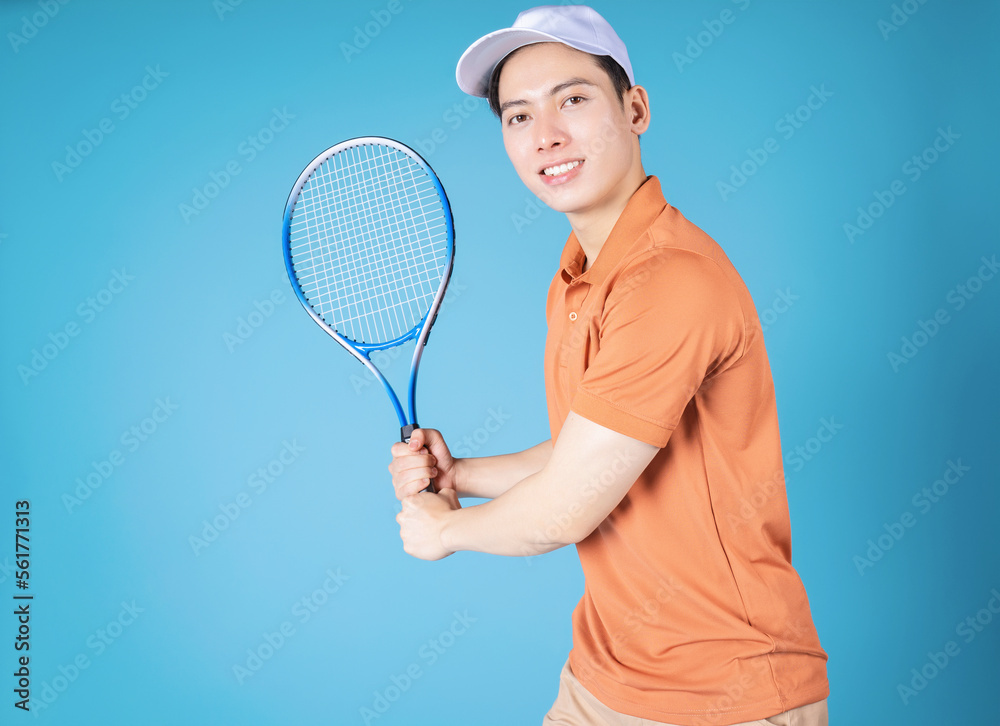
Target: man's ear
637,107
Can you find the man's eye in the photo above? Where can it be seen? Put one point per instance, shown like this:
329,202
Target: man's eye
516,119
574,100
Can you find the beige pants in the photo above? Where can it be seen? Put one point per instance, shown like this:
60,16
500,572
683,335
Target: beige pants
575,706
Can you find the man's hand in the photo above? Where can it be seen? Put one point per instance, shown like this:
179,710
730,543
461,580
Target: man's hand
426,457
421,521
423,516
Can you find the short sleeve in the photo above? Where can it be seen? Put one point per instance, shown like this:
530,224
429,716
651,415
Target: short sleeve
671,319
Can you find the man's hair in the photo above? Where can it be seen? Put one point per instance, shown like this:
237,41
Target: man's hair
619,80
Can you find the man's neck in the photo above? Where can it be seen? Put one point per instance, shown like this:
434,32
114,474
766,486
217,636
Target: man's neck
593,228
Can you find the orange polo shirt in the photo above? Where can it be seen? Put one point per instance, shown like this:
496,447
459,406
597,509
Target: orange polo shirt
692,612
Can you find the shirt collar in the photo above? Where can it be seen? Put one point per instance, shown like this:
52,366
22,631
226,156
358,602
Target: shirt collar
643,207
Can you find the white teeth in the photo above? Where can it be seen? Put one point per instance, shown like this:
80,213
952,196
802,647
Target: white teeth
561,169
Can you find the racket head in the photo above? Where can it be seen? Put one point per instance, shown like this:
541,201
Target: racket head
369,241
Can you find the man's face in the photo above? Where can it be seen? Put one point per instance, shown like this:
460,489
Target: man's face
560,114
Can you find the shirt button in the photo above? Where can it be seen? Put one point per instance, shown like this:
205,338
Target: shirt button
572,316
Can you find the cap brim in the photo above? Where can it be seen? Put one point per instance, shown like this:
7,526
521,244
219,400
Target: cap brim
478,61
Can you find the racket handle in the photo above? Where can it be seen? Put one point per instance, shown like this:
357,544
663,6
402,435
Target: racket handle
404,435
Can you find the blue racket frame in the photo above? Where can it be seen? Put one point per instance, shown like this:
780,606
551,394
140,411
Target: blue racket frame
362,351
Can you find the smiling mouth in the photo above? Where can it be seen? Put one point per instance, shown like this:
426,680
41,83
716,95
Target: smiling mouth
561,169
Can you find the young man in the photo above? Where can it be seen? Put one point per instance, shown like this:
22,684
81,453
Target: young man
664,466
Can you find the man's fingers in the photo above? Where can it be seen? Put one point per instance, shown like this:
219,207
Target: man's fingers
425,437
414,486
417,439
408,459
408,464
399,449
413,480
413,467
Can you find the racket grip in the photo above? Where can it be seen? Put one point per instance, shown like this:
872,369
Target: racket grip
404,435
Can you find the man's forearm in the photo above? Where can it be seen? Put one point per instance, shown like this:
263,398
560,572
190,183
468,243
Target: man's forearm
518,523
589,472
490,476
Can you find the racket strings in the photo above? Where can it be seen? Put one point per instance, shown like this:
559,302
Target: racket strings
357,263
369,242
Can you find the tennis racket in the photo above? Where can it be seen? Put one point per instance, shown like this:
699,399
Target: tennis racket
369,243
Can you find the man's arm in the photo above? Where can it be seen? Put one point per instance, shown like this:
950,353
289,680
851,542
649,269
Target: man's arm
490,476
590,470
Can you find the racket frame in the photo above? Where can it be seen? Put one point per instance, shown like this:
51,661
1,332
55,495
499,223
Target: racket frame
362,351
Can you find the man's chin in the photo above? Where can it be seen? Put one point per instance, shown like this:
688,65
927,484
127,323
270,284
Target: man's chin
564,201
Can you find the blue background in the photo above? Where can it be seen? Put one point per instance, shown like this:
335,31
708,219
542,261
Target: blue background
168,337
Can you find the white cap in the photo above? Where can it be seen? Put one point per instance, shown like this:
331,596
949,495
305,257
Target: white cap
577,26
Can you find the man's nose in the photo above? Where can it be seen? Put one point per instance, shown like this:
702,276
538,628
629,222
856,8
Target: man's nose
550,133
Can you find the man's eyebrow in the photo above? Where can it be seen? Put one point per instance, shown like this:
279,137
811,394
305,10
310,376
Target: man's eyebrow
555,89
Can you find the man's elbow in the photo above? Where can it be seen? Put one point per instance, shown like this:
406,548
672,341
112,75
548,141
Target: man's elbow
566,531
579,534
